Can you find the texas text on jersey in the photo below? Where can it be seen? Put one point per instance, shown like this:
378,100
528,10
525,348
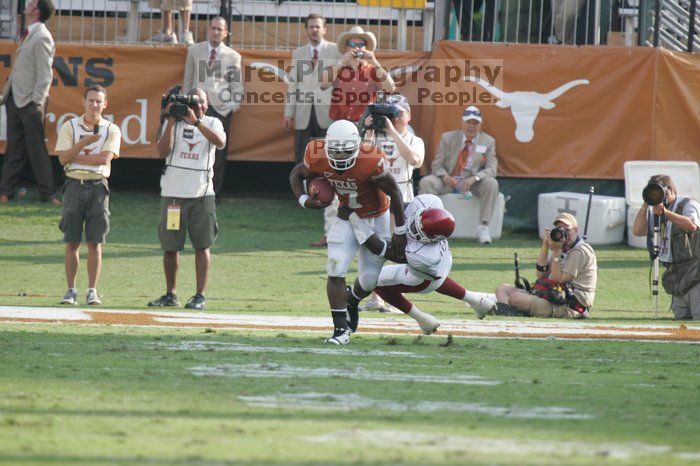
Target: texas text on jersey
354,186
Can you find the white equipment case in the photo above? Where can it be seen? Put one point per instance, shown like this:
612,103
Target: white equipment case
607,219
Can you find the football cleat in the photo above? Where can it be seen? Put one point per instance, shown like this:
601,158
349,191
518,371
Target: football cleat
428,324
353,315
485,306
341,336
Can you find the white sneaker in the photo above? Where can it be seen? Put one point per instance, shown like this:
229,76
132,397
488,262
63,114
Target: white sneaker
341,336
71,297
165,38
484,307
91,298
187,38
482,234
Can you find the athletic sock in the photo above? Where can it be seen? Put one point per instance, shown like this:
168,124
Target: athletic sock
416,313
340,319
452,288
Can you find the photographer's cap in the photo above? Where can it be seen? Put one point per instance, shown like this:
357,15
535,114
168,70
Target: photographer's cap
401,102
567,219
471,113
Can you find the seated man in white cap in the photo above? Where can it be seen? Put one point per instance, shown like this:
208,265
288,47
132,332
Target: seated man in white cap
566,279
466,162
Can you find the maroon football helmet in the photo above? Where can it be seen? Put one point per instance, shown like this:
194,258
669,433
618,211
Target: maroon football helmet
431,225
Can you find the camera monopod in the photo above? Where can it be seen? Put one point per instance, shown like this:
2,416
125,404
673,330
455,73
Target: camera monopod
520,282
591,190
656,239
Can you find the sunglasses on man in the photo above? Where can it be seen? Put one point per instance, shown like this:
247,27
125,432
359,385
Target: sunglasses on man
353,44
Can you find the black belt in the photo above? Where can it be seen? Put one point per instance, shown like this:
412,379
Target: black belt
84,182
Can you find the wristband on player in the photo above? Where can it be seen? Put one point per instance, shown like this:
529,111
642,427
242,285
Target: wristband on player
400,230
302,200
384,247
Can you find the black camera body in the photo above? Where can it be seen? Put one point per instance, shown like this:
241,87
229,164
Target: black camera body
654,194
180,103
380,110
557,234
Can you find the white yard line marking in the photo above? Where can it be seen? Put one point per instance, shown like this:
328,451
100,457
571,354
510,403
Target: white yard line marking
411,440
353,401
388,325
230,346
284,371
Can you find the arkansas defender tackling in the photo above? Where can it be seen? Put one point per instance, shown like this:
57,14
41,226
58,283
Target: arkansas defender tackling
358,173
426,259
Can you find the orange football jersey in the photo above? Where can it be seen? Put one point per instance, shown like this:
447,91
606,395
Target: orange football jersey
353,186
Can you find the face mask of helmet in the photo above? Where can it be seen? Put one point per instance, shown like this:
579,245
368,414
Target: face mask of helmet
431,225
342,158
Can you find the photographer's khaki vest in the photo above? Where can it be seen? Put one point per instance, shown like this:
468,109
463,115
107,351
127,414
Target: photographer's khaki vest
684,272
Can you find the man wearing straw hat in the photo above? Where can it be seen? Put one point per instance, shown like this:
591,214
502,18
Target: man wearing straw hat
358,77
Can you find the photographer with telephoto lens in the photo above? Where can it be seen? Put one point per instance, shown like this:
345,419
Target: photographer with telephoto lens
677,219
188,143
566,279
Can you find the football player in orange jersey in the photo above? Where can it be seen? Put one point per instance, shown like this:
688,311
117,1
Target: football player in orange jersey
358,173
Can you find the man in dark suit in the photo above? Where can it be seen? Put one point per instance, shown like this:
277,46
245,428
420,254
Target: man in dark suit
224,87
24,97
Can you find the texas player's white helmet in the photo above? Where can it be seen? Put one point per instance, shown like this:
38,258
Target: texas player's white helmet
342,144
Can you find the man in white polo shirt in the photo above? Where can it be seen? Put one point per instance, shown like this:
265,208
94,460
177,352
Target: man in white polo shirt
86,146
188,145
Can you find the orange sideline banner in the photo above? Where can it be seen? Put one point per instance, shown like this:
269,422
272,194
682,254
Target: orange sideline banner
565,112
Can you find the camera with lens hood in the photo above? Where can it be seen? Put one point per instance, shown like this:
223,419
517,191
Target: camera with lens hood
654,194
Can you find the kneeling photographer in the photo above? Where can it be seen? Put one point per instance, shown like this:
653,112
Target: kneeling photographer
187,142
566,279
386,127
676,220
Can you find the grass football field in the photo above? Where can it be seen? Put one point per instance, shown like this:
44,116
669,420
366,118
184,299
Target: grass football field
120,393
